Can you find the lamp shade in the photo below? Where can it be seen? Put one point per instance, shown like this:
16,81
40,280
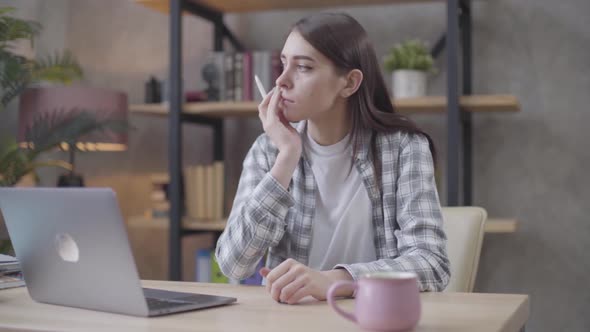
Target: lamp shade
36,103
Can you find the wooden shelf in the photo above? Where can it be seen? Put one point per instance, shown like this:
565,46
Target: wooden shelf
209,225
491,226
500,225
187,223
430,104
242,6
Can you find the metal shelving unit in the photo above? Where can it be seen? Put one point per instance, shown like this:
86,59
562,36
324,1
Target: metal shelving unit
459,104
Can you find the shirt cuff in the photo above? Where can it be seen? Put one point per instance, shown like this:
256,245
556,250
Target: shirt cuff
352,271
272,197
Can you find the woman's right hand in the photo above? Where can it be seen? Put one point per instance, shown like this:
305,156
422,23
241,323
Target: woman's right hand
281,133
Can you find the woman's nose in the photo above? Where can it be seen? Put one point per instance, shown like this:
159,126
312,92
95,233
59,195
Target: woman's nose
283,80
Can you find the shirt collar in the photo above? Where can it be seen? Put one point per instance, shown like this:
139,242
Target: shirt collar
365,141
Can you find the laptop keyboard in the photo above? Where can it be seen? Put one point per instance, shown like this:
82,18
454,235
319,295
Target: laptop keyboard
157,304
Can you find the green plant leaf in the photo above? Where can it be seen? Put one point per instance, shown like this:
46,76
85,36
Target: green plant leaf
12,29
49,130
14,76
13,163
16,71
58,68
411,54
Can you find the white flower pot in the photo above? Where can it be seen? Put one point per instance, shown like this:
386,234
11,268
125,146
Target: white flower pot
408,83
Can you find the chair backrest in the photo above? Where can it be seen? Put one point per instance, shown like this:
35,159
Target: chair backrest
464,227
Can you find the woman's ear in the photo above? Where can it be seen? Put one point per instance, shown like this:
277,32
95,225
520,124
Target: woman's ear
354,78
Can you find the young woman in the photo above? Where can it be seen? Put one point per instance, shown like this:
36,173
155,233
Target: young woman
349,191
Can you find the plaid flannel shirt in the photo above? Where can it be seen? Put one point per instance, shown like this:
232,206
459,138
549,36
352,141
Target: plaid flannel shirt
406,212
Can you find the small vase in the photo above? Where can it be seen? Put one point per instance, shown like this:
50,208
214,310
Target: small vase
408,83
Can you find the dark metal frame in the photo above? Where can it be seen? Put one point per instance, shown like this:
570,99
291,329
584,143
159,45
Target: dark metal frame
465,23
175,139
459,129
176,119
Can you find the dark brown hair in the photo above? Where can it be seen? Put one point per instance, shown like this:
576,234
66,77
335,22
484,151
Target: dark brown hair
344,41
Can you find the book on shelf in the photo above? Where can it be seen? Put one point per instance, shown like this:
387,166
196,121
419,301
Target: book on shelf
247,76
7,259
8,264
11,280
9,268
210,194
236,73
204,191
229,76
220,192
158,195
238,76
216,275
190,176
10,272
207,269
159,203
203,265
200,190
255,279
160,178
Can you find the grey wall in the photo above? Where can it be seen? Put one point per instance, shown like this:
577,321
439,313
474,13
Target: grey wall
529,165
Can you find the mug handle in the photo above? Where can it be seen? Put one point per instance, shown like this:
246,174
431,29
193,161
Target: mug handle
332,302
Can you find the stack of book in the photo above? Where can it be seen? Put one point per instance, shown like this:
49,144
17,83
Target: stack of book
160,205
207,270
204,192
236,73
10,272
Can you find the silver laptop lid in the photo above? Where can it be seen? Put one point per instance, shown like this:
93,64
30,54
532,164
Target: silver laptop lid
73,248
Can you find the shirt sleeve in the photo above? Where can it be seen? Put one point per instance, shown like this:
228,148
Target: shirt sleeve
421,241
257,218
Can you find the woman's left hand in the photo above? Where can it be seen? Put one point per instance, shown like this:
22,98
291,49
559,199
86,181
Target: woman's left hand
291,281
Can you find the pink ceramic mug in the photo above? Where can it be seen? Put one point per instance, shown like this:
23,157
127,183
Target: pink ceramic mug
385,301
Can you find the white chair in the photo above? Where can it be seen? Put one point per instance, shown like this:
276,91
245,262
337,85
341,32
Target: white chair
464,227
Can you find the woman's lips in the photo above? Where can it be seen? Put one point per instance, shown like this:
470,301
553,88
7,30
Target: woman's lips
287,100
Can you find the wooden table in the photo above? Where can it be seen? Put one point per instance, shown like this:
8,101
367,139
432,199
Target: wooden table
256,311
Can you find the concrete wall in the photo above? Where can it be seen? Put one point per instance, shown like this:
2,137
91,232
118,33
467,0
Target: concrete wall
529,165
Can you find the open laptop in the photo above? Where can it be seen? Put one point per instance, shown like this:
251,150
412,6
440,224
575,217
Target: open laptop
73,249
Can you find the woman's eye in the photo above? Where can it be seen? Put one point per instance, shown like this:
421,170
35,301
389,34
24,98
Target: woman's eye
302,68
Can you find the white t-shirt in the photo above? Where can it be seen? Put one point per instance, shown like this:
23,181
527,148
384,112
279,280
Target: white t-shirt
342,227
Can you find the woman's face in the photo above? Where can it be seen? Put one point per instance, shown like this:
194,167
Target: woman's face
309,83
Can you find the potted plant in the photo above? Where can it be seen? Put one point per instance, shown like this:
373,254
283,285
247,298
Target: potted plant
409,62
49,131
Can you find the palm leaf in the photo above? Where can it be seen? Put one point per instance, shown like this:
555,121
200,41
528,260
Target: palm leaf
47,132
62,68
13,163
14,76
52,129
17,72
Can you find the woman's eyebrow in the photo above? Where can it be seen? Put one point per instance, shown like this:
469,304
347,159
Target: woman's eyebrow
298,57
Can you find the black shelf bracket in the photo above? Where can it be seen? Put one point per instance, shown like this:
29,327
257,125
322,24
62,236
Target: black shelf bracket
460,126
454,129
465,24
216,18
175,139
439,46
